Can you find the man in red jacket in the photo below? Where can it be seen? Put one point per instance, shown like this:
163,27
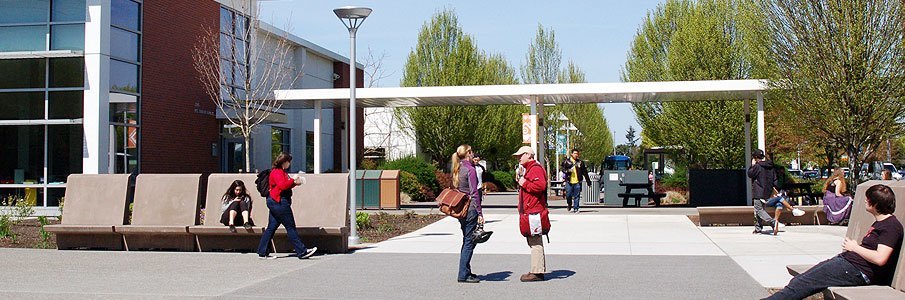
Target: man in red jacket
532,182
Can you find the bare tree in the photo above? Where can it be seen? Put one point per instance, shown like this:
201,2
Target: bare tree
379,121
241,66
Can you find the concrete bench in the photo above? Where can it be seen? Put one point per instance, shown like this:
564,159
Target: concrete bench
859,223
744,215
212,235
95,203
165,206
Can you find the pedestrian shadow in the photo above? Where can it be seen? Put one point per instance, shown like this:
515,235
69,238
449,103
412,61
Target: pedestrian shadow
498,276
559,274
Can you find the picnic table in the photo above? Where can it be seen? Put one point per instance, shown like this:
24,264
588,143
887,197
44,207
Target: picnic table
801,191
646,191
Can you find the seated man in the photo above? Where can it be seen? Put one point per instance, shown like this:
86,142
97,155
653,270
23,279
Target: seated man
872,262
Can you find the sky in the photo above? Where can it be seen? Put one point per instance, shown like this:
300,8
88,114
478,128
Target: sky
596,35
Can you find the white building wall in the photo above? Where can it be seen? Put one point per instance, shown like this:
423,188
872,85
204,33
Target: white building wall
96,118
382,130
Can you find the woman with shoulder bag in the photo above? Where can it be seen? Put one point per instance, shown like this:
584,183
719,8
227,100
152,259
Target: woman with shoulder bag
465,180
279,202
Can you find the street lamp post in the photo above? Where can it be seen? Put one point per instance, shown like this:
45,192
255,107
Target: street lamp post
352,17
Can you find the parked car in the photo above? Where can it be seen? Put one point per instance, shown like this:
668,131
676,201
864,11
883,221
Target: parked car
892,169
810,174
796,173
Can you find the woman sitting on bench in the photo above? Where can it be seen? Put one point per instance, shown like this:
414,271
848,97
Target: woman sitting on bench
236,204
870,263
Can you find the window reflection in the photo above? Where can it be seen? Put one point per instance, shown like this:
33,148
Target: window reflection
67,37
123,44
31,11
123,76
68,11
125,13
23,38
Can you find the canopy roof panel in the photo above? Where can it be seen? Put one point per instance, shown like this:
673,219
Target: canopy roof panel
618,92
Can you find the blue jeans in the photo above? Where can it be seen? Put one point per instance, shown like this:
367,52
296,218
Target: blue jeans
468,224
573,194
835,271
761,217
776,202
281,214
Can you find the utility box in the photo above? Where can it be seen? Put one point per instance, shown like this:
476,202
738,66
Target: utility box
389,189
611,180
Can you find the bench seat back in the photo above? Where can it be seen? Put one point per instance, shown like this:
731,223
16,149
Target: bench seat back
217,184
166,199
96,199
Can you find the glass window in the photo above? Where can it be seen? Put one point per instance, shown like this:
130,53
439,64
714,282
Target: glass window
309,151
22,106
68,11
241,26
279,141
23,154
241,75
22,73
226,47
64,153
67,37
125,143
125,13
66,105
226,67
226,20
123,44
123,76
33,195
240,51
54,195
67,72
23,38
123,113
17,11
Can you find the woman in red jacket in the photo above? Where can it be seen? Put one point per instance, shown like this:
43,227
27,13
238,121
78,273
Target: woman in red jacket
279,202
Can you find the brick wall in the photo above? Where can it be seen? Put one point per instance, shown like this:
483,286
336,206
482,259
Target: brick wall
342,69
177,128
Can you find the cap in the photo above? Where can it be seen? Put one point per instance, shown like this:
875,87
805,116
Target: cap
523,150
758,154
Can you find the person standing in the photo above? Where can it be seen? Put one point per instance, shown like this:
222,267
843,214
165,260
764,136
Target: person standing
872,262
763,178
465,180
575,170
532,183
479,170
279,202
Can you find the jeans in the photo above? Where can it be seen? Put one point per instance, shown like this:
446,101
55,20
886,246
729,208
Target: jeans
468,224
761,217
835,271
573,194
281,214
776,202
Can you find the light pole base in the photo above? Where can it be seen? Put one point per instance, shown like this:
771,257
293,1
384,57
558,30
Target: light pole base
354,240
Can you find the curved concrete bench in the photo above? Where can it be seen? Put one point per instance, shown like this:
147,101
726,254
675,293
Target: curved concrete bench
744,215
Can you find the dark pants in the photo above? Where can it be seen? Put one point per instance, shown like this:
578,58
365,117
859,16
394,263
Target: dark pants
281,214
239,207
468,224
835,271
573,194
761,217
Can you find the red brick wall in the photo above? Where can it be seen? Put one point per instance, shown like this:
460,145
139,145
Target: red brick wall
342,69
177,129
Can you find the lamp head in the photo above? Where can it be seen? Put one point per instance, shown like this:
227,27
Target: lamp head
352,16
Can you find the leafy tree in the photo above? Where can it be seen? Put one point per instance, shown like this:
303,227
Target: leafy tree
702,40
444,56
840,69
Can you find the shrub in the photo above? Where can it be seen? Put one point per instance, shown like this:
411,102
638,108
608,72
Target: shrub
409,185
369,164
503,179
45,236
20,208
363,220
5,226
423,171
490,187
443,179
62,200
677,179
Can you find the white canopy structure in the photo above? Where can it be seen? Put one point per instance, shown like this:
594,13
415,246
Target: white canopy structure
534,94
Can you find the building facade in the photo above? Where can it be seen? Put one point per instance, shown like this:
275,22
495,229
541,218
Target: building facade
108,86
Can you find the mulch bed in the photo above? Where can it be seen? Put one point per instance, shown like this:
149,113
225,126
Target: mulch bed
385,226
696,219
27,234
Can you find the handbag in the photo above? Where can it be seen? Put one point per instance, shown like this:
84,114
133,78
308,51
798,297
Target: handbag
453,203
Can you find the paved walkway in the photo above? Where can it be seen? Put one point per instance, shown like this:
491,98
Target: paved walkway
591,256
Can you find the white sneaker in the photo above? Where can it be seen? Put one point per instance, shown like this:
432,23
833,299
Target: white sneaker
309,253
797,212
269,257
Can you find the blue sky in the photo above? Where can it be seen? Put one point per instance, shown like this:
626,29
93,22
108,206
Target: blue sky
594,34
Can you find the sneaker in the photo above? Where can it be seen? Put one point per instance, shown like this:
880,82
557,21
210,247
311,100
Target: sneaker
268,257
470,279
529,277
232,228
797,212
756,231
248,225
309,253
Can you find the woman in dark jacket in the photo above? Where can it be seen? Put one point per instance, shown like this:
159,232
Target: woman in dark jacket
465,179
279,202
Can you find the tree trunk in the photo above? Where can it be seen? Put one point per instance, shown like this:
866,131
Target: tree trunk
247,151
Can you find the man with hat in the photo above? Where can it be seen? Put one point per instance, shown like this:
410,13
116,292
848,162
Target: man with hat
532,182
763,180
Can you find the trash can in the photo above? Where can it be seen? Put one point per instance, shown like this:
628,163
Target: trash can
367,189
591,194
389,189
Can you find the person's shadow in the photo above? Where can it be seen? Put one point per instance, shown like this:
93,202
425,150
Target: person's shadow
559,274
498,276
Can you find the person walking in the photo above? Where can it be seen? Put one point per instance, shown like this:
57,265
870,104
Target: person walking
763,178
465,180
279,202
532,183
872,262
574,170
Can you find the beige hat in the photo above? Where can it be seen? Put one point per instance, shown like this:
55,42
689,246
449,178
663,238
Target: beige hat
523,150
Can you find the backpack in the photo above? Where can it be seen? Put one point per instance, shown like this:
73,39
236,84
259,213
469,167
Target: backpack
263,183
